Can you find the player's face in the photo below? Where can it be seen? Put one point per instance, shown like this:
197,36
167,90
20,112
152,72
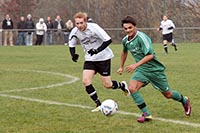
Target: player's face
164,18
130,29
80,24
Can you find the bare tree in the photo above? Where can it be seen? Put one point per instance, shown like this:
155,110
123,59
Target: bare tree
108,13
17,8
193,5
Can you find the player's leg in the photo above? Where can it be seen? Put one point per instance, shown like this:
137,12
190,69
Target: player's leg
137,81
166,38
113,84
175,95
171,40
87,78
159,81
103,68
165,46
174,44
134,87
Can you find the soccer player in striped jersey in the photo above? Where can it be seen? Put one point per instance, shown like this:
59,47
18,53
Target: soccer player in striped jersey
95,43
167,27
146,69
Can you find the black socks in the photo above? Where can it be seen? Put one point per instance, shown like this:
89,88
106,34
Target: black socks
93,95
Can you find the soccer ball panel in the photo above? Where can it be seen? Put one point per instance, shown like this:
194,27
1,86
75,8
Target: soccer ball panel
109,107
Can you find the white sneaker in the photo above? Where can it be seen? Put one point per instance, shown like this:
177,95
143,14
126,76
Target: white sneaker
97,109
126,92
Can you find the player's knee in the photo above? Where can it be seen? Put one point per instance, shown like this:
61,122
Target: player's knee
167,95
86,82
134,86
165,42
132,89
107,85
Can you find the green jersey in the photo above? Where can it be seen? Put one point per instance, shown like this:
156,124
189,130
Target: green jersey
139,47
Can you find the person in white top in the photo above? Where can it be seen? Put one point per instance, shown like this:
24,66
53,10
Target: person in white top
95,43
167,27
41,28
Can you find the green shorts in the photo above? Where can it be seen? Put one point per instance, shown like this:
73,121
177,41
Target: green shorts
157,79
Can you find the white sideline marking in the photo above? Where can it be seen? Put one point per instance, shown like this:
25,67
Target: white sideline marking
164,120
72,80
37,88
88,107
44,101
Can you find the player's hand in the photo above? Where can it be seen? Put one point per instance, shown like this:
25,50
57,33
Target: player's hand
120,71
92,51
131,68
75,57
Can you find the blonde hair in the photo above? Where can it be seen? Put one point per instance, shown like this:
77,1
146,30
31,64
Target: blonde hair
81,15
69,24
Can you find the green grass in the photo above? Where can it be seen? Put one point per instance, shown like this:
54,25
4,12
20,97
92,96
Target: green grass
17,71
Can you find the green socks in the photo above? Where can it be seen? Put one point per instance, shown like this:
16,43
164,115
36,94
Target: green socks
178,97
137,98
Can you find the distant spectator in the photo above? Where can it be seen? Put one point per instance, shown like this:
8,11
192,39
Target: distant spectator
21,26
58,25
30,26
41,28
68,27
7,26
1,34
89,20
48,34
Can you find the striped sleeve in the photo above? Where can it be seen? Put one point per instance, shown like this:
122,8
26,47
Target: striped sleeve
73,38
146,43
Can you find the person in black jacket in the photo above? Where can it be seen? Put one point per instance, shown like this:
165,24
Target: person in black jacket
48,34
7,27
58,26
30,26
21,26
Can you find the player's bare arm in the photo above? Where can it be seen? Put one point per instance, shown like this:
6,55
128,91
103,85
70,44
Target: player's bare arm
131,68
123,59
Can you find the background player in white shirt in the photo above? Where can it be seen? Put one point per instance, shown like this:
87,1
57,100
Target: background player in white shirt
95,43
167,27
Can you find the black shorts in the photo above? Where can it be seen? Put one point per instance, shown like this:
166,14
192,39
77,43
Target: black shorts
101,67
168,37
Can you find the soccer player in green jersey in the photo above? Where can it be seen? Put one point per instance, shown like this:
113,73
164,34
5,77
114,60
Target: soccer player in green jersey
146,69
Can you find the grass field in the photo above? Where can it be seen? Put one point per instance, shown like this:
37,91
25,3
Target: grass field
41,92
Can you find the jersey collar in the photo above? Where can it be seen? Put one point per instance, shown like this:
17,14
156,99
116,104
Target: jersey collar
133,37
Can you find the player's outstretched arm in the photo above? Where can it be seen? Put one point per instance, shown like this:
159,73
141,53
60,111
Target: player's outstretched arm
122,61
101,48
73,54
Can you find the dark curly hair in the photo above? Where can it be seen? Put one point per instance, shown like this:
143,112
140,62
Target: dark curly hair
128,19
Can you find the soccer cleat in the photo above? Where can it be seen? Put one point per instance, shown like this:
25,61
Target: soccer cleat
144,118
187,107
97,109
126,90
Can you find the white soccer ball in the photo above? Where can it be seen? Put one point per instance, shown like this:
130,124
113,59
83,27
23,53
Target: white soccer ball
109,107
